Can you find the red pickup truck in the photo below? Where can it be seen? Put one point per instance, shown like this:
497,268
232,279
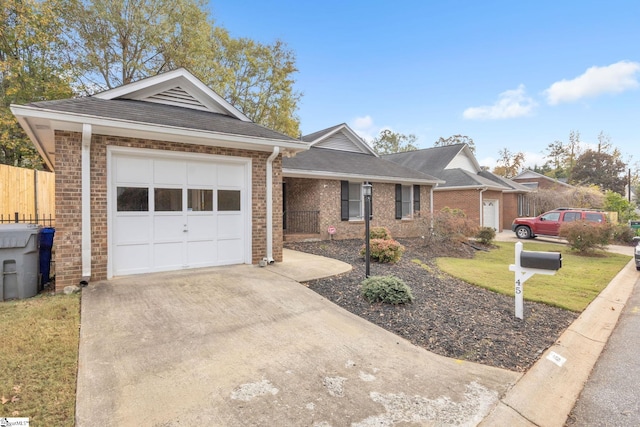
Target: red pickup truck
548,224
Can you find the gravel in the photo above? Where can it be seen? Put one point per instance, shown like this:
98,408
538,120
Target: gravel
448,316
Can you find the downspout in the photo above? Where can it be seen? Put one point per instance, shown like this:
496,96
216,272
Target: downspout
272,157
482,190
86,204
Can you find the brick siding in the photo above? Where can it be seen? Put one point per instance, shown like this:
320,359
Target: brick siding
69,201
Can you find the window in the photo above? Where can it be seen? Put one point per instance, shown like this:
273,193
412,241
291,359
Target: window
571,216
200,200
355,200
352,201
593,217
407,201
551,216
228,200
132,199
168,199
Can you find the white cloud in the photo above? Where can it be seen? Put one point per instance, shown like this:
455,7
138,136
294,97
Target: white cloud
510,104
365,128
614,78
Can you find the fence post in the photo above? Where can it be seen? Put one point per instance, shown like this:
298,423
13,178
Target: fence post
17,218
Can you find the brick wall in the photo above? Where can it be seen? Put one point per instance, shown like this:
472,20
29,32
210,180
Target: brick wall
467,200
324,195
509,209
69,203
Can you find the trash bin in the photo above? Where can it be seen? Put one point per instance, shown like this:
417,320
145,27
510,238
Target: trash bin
46,243
18,261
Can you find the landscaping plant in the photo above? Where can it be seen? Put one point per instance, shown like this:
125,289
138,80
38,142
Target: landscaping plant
586,236
384,250
386,289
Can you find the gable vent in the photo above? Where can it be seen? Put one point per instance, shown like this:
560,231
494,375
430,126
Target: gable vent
178,97
341,142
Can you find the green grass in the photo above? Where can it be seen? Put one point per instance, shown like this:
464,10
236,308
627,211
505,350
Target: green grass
39,359
573,287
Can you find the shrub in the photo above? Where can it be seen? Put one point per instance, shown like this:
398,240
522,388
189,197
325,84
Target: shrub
382,250
586,236
379,233
387,289
485,235
449,225
623,233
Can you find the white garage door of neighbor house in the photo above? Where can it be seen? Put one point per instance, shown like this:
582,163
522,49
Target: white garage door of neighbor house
169,213
490,213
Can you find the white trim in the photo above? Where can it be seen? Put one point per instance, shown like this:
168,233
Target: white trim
86,201
470,187
181,77
350,134
296,173
165,154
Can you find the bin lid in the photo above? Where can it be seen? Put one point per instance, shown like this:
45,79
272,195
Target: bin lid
17,235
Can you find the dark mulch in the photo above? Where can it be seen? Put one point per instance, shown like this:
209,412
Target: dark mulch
448,316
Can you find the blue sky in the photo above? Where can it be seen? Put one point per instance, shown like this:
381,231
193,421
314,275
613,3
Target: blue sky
509,74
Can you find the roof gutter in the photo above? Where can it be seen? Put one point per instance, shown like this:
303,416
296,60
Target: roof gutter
270,159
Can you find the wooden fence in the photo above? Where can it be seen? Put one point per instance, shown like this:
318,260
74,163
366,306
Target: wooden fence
29,193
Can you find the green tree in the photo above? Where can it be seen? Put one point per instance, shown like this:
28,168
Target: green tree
509,164
388,142
30,70
614,202
120,41
598,168
456,139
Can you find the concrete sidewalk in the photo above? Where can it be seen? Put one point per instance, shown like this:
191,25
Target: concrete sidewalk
546,394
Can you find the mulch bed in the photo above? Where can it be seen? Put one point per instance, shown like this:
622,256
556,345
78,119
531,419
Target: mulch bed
448,316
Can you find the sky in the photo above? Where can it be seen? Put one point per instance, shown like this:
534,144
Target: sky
508,74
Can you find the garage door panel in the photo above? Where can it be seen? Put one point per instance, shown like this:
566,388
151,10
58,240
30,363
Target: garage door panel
229,226
200,173
167,256
169,172
133,170
229,251
132,229
201,227
168,228
132,259
230,175
202,254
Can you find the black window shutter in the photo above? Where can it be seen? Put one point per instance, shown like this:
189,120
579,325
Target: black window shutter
398,201
344,200
416,198
371,204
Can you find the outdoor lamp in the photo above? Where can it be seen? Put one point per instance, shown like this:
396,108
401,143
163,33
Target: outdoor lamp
366,191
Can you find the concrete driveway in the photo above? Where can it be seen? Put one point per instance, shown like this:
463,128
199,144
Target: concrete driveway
245,345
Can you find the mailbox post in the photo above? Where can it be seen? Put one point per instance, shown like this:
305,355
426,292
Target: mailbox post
527,264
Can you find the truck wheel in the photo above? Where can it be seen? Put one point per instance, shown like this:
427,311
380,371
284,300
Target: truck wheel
523,232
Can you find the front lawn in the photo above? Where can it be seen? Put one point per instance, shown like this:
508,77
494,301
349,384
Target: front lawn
39,359
573,287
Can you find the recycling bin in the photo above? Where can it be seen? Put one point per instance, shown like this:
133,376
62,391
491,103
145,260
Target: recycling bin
18,261
46,243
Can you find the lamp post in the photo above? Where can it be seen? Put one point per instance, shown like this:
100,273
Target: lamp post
366,190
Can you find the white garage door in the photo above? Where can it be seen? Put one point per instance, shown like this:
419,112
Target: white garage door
175,211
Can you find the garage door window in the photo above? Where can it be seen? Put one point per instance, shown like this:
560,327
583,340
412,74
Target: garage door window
200,200
228,200
168,199
133,199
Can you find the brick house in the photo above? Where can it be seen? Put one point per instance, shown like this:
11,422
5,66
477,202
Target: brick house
535,181
323,189
157,175
488,199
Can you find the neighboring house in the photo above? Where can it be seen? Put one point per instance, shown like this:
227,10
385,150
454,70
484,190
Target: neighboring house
161,174
323,189
486,198
536,181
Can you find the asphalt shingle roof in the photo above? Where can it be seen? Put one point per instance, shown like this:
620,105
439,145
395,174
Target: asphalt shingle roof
349,163
160,114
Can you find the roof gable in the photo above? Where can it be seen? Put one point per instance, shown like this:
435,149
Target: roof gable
177,88
341,138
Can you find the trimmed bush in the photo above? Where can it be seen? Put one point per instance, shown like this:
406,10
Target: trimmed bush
382,250
586,236
486,235
379,233
449,225
622,233
386,289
